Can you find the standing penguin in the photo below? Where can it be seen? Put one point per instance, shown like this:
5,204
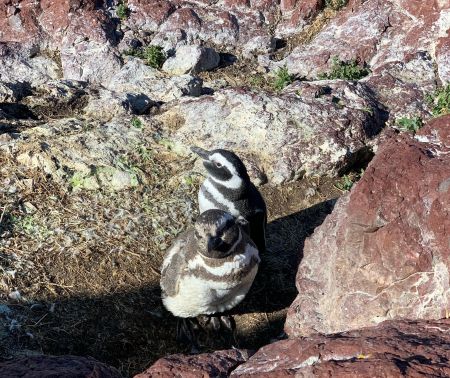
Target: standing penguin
228,187
208,270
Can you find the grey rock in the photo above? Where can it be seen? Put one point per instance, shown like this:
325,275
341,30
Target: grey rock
310,129
136,77
191,59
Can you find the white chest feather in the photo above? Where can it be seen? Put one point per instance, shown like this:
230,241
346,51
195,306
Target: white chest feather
202,295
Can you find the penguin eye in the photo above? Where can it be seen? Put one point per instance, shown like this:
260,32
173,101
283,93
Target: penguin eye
217,164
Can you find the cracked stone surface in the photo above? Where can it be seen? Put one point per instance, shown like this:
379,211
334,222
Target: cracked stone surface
391,349
384,251
310,129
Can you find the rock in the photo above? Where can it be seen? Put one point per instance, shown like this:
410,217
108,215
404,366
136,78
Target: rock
405,45
295,15
391,349
20,65
57,366
7,93
375,32
83,154
105,105
233,25
135,77
191,59
310,129
58,98
217,364
383,253
87,51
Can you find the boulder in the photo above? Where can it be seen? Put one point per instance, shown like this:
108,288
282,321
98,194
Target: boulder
309,129
57,366
87,47
137,78
384,251
391,349
191,59
214,365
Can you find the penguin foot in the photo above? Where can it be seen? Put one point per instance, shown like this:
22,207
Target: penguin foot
228,322
187,330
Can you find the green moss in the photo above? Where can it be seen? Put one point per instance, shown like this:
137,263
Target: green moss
136,122
282,78
439,101
154,56
350,70
122,10
409,124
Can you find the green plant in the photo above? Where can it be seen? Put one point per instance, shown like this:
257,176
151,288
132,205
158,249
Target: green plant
282,78
439,101
336,4
347,181
136,122
350,70
409,124
154,56
144,153
122,10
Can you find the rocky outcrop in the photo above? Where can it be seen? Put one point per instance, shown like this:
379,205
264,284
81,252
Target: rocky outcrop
310,129
383,253
402,42
391,349
381,33
214,365
57,366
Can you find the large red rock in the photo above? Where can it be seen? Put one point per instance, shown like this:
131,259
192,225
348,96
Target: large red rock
390,350
378,32
57,366
214,365
384,252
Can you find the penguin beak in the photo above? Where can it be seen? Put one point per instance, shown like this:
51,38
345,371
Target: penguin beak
214,243
204,154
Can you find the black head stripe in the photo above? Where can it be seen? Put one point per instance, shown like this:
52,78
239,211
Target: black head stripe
233,159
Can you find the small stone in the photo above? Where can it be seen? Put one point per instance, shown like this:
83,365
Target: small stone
29,208
15,295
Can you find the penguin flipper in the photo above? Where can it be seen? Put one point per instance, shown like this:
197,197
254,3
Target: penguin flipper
173,266
257,225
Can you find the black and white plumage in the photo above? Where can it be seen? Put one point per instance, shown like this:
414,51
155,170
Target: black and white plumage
210,268
228,187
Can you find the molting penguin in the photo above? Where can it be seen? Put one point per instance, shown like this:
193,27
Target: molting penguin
228,187
209,269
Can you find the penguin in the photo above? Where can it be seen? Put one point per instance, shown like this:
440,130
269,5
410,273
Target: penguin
208,270
228,187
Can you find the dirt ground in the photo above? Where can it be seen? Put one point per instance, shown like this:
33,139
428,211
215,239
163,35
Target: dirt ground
80,269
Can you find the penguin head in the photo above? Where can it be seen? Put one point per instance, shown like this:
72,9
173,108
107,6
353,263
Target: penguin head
223,166
217,233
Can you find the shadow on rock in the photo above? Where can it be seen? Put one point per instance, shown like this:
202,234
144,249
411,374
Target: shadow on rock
274,287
